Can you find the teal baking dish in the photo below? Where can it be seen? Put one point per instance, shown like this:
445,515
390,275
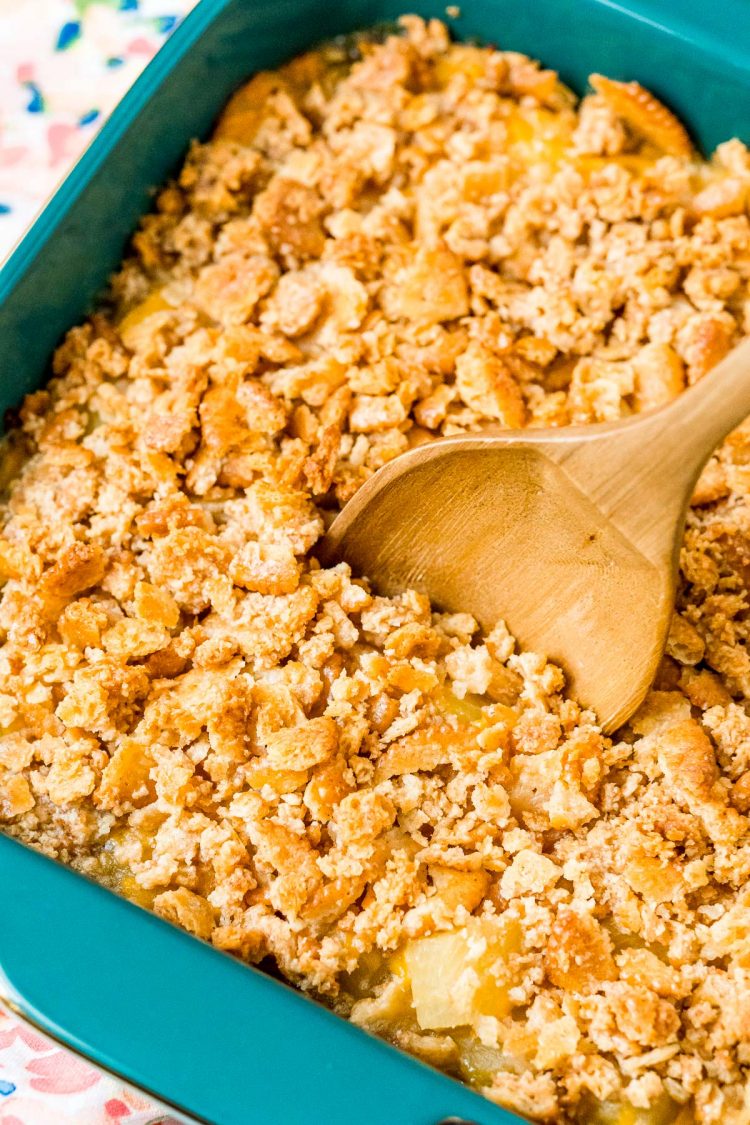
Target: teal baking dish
224,1043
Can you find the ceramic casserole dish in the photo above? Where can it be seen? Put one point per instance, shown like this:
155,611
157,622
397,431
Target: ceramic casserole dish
209,1036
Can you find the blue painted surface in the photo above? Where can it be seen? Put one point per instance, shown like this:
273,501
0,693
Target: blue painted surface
35,103
136,995
68,34
164,24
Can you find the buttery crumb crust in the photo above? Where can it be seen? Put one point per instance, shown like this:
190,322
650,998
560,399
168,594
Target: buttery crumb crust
377,248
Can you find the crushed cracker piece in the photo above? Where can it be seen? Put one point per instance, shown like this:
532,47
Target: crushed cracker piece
309,744
645,114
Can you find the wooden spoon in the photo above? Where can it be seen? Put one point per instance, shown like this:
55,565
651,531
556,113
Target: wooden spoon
571,536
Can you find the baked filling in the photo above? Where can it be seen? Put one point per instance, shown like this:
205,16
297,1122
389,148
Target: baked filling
385,242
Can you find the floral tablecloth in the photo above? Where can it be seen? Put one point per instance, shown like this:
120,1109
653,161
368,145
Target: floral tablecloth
63,66
40,1084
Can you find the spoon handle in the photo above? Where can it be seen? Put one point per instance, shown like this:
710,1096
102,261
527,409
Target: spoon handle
642,472
702,417
666,450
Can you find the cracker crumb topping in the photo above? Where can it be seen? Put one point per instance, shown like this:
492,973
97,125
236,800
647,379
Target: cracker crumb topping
377,248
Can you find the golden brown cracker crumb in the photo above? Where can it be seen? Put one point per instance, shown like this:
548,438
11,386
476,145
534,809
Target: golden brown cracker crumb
186,909
644,114
80,567
298,748
578,955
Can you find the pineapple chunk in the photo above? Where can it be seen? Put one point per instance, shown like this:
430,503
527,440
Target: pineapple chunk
664,1111
371,970
443,983
397,965
538,136
470,709
116,874
479,1064
155,302
131,889
461,59
460,976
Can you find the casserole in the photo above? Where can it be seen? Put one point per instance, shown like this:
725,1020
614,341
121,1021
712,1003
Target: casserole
80,242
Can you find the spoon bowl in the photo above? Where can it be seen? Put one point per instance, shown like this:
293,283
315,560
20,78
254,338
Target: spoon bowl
570,536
